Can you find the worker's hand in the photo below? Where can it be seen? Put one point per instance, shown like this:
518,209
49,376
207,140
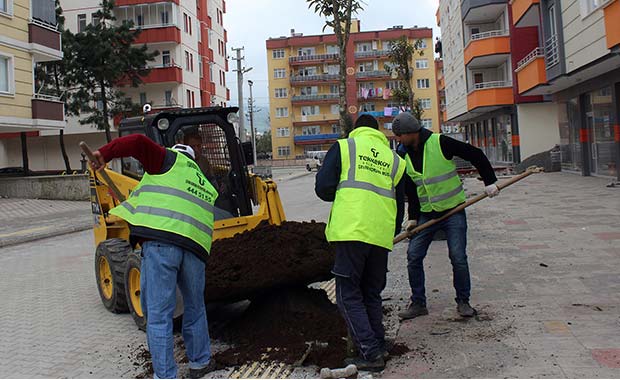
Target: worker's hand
100,163
410,225
491,190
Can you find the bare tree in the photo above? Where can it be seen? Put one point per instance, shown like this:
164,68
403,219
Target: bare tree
401,54
338,17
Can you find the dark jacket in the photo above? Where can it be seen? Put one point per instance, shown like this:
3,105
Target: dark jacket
328,178
450,148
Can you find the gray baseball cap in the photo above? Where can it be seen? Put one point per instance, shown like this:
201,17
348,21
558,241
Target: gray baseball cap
405,123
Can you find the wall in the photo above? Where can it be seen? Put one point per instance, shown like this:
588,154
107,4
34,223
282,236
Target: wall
538,127
68,188
454,65
584,38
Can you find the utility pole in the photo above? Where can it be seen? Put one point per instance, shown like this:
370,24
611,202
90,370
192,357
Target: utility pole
240,71
251,105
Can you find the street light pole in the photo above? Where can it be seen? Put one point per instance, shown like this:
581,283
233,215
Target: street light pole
251,106
240,71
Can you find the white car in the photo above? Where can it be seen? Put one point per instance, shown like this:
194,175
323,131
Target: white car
314,159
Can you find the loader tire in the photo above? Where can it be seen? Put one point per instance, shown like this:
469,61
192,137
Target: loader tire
133,293
110,261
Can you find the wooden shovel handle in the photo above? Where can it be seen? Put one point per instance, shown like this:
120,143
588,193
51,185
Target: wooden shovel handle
89,153
405,234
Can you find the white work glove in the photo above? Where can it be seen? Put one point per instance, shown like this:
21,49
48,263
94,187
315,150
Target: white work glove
491,190
410,225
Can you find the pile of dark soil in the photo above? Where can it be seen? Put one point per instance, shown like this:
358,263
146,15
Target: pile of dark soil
282,327
267,258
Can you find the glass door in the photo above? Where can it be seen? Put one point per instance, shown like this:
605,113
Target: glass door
603,146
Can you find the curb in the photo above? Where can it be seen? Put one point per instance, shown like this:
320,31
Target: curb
61,231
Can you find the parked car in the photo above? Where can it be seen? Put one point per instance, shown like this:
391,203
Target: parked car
314,159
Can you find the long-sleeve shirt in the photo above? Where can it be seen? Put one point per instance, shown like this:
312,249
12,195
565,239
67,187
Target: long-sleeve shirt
450,148
328,178
151,155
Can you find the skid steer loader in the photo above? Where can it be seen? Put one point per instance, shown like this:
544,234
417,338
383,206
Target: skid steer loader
223,159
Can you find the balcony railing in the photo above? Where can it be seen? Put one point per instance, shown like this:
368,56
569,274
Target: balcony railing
385,113
313,78
489,34
493,84
314,57
371,54
536,53
372,74
317,97
552,54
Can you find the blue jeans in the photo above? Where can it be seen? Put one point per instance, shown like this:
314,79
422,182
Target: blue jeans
163,267
455,228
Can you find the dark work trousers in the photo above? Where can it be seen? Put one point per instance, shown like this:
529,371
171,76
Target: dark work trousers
360,271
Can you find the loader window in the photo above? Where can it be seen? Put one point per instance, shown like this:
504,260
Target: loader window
130,166
213,158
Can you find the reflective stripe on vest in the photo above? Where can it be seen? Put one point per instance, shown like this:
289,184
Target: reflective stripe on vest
175,193
156,211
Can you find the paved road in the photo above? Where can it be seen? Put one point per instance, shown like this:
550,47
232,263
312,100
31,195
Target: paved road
544,259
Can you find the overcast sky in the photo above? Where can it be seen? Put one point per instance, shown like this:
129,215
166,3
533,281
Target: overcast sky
251,22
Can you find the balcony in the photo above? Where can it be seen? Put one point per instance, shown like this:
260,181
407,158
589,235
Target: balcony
302,79
48,108
387,112
45,41
552,51
525,13
316,120
481,11
531,71
372,75
313,59
481,45
490,95
324,138
612,24
373,54
316,98
158,34
164,74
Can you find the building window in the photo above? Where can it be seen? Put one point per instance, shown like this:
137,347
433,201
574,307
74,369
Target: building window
187,60
304,52
200,68
283,132
189,19
334,89
281,112
188,98
589,6
142,98
281,93
6,6
335,109
191,62
423,83
278,54
427,123
185,27
309,90
94,19
310,110
336,128
392,84
425,103
165,17
81,21
387,126
367,107
165,58
279,73
311,130
421,63
168,98
6,75
284,151
422,44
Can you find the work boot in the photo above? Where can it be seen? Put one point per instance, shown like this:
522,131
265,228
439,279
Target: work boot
412,311
201,372
374,365
465,310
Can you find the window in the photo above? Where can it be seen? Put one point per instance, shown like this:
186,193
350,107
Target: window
188,98
189,18
283,132
6,75
333,69
310,110
94,19
363,46
187,60
427,123
165,58
284,151
387,126
6,7
311,130
336,128
281,112
168,97
81,21
191,62
421,63
304,52
165,17
367,107
589,6
281,93
333,49
278,54
422,44
200,68
279,73
423,83
334,109
309,90
185,27
142,98
425,103
392,84
334,89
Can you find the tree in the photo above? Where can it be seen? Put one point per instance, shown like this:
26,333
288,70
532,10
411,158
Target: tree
400,55
263,144
101,60
338,17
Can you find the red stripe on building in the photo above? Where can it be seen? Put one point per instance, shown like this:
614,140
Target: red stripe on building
583,135
617,133
516,141
14,135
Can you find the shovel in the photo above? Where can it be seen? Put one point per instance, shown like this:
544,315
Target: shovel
405,234
116,192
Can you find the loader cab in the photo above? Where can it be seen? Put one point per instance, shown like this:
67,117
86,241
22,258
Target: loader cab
219,153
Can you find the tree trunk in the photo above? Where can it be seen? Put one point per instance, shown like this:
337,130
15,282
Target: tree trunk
106,124
61,137
25,165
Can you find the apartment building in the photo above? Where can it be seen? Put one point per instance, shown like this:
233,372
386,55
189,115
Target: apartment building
482,54
28,34
576,61
304,85
190,70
